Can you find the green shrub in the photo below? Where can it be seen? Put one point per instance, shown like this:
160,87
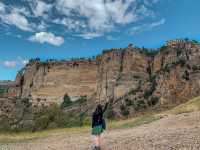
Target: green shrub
149,53
134,105
81,100
178,52
2,90
66,102
195,41
5,124
47,116
128,102
124,110
195,68
182,62
110,114
153,101
140,104
186,75
150,91
163,48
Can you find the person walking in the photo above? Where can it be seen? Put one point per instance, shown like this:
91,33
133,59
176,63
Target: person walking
98,125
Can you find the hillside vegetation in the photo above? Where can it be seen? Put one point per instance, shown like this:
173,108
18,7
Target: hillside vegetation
190,106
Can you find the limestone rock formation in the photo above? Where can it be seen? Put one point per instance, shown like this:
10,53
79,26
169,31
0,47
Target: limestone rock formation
131,78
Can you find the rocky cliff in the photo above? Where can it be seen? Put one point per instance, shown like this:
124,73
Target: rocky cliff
48,82
131,78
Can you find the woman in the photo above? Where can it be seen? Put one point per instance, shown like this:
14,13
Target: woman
98,125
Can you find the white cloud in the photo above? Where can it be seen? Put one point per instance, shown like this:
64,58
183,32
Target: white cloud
14,63
86,18
42,26
158,23
146,27
90,35
14,17
21,10
47,37
70,24
10,64
118,11
40,8
100,15
2,7
144,11
18,20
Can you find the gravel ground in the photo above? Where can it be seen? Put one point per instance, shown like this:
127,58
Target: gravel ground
180,132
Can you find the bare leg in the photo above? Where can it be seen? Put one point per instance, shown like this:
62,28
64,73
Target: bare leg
98,137
95,140
99,141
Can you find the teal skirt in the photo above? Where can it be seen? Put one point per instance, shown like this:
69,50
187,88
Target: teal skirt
97,130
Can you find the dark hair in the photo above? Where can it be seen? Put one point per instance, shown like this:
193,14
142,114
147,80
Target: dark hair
98,110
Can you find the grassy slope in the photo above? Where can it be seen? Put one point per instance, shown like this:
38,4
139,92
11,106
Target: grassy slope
190,106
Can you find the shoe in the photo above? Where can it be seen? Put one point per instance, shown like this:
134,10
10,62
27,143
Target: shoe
98,148
94,148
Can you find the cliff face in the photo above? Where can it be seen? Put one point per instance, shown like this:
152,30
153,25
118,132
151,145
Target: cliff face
169,77
120,71
178,72
47,83
110,77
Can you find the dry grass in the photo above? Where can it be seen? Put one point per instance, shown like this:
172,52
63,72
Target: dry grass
190,106
140,121
123,124
23,136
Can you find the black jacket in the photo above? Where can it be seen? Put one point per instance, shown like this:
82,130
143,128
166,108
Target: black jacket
98,119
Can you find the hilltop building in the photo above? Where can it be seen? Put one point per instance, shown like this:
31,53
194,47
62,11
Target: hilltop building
175,42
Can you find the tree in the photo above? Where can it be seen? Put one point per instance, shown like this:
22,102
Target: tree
66,101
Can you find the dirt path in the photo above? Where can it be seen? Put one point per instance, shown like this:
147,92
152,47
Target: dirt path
181,132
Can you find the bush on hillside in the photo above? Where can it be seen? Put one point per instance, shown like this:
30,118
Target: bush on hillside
163,48
81,100
140,104
66,102
47,116
5,124
153,101
195,67
186,75
124,110
128,102
110,114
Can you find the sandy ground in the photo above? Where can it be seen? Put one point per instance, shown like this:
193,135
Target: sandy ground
180,132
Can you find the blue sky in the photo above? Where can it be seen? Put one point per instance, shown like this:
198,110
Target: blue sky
64,29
